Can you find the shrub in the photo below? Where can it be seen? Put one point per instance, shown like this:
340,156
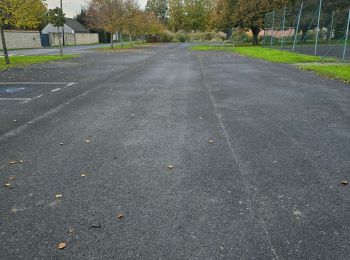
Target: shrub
181,37
166,36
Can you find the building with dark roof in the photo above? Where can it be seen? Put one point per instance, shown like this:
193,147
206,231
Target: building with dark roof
74,33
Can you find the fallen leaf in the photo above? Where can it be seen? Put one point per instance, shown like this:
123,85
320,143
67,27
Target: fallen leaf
62,245
58,196
21,161
12,178
120,215
83,174
210,141
13,162
8,185
87,141
170,167
344,182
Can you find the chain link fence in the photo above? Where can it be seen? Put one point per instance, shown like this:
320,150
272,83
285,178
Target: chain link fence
309,29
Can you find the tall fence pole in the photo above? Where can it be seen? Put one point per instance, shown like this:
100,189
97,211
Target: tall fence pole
346,36
297,29
272,29
331,29
283,27
318,26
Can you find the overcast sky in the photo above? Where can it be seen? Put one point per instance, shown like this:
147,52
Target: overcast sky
72,7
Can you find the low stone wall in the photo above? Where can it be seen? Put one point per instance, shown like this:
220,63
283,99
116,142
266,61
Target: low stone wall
74,39
22,39
86,38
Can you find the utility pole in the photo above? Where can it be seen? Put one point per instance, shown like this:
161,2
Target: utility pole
62,26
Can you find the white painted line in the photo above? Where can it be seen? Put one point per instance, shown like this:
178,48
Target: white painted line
56,89
70,84
39,96
33,83
15,99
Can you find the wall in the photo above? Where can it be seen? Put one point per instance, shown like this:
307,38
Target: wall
22,39
68,37
77,39
86,38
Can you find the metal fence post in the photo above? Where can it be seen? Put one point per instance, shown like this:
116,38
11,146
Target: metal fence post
346,36
318,26
331,29
297,29
283,27
272,29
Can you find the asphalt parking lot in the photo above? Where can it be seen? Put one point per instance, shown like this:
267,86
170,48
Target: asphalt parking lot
258,151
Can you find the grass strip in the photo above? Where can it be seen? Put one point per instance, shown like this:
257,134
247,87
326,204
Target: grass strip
267,54
20,61
334,71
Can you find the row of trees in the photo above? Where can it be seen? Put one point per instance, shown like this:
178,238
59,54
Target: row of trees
21,14
223,15
123,16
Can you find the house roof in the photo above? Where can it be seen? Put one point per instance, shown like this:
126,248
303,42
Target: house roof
76,26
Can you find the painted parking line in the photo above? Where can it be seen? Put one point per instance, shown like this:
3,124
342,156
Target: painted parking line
15,99
56,89
35,83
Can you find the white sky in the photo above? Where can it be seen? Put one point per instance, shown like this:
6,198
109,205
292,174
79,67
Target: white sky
72,7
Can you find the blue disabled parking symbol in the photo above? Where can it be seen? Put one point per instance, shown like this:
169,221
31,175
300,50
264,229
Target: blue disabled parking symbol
10,90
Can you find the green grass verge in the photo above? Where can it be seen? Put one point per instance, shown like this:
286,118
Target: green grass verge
264,54
335,71
20,61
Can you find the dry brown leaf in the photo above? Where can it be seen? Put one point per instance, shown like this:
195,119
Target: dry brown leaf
12,178
13,162
58,196
62,245
120,215
170,167
344,182
8,185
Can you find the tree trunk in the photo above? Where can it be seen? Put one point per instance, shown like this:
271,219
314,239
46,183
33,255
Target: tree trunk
111,40
121,39
130,39
60,41
255,32
304,30
4,47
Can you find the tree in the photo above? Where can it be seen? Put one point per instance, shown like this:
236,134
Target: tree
107,15
130,10
159,8
56,18
251,14
21,14
82,17
221,17
196,14
176,15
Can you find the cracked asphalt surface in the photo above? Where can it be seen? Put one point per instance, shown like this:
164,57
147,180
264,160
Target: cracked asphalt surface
268,187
